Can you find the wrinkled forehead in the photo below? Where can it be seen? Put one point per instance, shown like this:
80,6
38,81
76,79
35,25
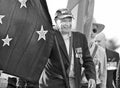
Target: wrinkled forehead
100,37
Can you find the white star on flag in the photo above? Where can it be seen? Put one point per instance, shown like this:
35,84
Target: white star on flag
23,3
41,33
7,41
1,16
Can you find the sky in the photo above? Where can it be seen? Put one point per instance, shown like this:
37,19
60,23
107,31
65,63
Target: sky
106,12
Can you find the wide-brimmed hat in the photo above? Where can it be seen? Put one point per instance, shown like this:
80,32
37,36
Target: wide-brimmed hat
97,27
63,13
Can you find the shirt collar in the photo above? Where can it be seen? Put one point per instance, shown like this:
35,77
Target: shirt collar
67,36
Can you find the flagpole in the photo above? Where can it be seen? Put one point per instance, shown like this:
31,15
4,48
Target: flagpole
62,64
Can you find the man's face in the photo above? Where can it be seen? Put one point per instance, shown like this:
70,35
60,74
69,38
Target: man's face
100,42
100,39
64,25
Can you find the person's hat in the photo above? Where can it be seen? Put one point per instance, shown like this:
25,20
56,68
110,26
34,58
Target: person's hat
97,27
63,13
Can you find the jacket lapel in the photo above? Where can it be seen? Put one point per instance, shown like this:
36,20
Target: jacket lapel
62,45
76,44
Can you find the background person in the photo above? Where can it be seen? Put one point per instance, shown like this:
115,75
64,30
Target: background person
112,61
99,58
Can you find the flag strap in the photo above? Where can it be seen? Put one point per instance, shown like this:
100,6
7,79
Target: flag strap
62,64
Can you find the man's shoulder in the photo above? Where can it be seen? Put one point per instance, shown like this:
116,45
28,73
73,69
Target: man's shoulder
113,52
78,34
116,54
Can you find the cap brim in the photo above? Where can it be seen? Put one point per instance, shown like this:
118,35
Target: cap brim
65,16
100,27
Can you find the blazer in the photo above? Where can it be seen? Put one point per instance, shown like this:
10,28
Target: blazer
112,62
52,76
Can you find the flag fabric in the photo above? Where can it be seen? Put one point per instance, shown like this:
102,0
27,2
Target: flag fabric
72,3
83,14
24,25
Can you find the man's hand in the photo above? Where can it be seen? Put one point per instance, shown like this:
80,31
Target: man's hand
3,82
91,83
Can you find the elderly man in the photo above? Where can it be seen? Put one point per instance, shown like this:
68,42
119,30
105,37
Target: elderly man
99,57
75,54
112,61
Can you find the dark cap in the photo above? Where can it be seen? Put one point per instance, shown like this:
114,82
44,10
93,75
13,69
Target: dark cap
63,13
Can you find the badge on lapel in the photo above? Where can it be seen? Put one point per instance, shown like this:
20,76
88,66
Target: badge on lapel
78,54
112,64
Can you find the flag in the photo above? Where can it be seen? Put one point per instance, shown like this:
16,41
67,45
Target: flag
83,14
24,27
